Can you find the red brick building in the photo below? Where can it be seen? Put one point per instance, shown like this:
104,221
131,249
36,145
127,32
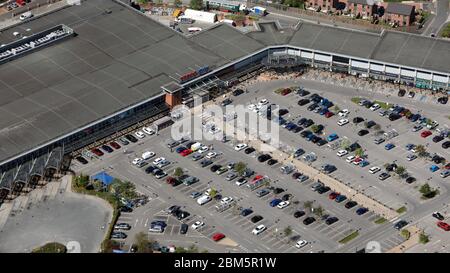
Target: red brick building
322,4
399,14
363,8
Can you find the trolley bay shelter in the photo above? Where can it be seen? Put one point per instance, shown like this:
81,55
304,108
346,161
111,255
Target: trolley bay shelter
119,68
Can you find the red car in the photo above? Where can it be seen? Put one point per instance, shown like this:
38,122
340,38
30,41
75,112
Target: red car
329,114
286,91
333,195
97,152
115,145
447,167
186,152
443,225
257,177
170,180
218,236
425,133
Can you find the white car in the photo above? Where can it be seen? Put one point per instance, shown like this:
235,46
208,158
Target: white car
241,181
158,160
301,244
263,102
259,229
148,130
343,113
240,147
211,155
350,158
197,225
374,170
203,149
208,192
137,160
375,107
411,157
283,204
146,155
342,122
251,107
139,134
25,15
226,200
341,153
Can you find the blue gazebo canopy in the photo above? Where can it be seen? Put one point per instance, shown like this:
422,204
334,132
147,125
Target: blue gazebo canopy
105,178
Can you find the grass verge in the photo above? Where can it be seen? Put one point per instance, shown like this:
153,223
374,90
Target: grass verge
356,100
349,237
401,209
52,247
383,105
380,221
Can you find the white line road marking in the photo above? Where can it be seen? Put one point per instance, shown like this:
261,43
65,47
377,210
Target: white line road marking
146,222
135,224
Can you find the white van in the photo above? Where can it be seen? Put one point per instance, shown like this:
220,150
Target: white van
196,146
147,154
26,15
203,200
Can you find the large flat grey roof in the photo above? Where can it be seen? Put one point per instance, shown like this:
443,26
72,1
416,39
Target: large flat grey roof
122,58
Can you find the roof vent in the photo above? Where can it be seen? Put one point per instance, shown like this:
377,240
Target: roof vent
108,11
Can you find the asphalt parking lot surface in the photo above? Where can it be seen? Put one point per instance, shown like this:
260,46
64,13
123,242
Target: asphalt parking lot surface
392,192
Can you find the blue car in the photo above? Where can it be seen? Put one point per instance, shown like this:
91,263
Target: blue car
409,146
158,223
180,149
363,163
310,137
389,146
323,111
434,168
332,137
340,198
361,211
275,202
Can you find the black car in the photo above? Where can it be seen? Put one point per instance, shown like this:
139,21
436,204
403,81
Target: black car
315,139
264,157
286,197
357,120
437,138
323,189
282,112
305,133
331,220
150,169
249,150
246,212
107,148
205,162
123,141
131,138
353,147
329,169
309,220
443,100
256,218
118,235
214,168
82,160
312,107
400,224
248,172
299,213
183,228
321,142
438,159
125,209
278,190
303,92
350,204
446,144
308,123
370,124
363,132
189,144
272,161
303,102
181,214
401,92
302,121
438,216
297,129
225,102
394,116
238,92
410,179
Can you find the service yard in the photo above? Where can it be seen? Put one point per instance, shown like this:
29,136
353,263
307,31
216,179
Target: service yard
283,229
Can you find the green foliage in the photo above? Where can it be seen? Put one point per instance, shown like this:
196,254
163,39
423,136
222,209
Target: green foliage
196,4
400,170
177,3
123,189
287,231
405,234
144,245
240,167
423,238
446,31
142,2
213,193
319,211
359,152
190,249
427,191
294,3
350,237
53,247
356,100
178,172
401,209
81,181
380,221
421,151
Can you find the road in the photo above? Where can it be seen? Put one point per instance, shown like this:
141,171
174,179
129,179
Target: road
442,15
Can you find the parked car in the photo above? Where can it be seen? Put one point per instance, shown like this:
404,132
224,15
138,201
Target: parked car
438,216
350,204
309,220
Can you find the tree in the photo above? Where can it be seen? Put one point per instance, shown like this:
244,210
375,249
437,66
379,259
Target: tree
319,211
359,152
421,151
177,3
144,245
213,193
400,170
293,3
240,168
345,143
377,127
423,238
315,128
124,189
178,172
427,191
81,181
158,2
336,109
142,2
196,4
287,231
98,185
308,204
405,234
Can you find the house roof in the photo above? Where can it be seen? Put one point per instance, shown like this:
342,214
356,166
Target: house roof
399,8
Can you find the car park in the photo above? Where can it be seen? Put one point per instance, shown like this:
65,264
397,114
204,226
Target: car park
249,150
195,194
445,173
118,235
434,168
255,219
262,192
309,220
259,229
363,132
240,147
205,163
332,137
410,179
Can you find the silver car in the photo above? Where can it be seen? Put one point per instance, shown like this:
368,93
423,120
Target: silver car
231,176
